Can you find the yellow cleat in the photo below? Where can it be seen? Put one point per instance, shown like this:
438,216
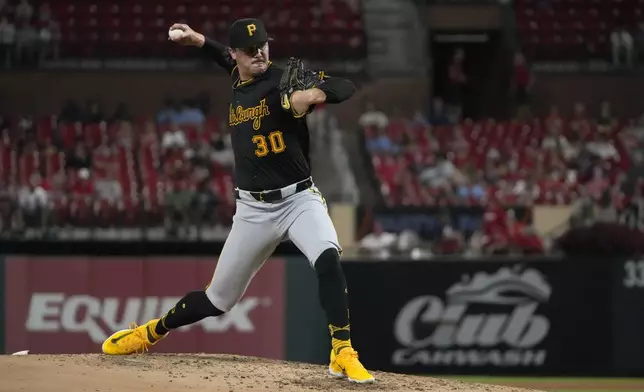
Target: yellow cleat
346,364
137,339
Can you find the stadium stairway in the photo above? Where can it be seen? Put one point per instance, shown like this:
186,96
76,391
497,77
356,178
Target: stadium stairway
362,172
330,160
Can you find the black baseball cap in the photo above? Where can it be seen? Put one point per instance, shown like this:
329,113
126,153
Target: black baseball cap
247,32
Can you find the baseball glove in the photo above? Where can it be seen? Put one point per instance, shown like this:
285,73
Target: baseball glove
297,78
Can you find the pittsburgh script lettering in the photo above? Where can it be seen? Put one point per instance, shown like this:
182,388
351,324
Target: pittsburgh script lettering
239,114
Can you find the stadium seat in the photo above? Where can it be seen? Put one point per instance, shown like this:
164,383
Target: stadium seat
89,29
572,30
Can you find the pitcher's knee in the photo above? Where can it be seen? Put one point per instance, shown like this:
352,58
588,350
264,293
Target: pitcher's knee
222,301
327,262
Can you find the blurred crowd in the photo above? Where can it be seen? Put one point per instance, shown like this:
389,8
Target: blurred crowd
422,160
585,160
29,34
89,169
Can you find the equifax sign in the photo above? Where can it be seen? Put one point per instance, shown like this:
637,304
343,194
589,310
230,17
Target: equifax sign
99,317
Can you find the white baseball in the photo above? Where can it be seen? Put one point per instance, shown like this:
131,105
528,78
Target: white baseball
176,34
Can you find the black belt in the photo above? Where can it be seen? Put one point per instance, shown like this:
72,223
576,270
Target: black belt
276,195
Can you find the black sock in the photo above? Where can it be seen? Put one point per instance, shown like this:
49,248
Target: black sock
195,306
333,295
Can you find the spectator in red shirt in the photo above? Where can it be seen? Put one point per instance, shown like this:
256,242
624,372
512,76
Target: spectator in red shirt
579,122
415,160
459,143
427,141
457,80
451,241
598,184
84,186
524,238
149,136
523,81
389,168
495,229
82,200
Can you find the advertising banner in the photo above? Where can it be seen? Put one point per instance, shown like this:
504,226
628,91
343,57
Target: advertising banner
71,304
628,318
482,317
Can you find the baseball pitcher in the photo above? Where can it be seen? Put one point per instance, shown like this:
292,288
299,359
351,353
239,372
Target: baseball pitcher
276,197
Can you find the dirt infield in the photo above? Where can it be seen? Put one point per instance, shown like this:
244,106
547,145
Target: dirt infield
175,373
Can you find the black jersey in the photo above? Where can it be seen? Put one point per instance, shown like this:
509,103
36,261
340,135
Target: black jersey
271,146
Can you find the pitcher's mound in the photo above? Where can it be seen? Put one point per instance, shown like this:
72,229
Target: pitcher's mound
179,372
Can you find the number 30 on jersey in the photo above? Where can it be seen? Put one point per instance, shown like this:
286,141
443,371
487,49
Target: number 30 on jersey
273,143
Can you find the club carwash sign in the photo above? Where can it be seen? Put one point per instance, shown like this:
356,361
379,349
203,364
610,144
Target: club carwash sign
485,320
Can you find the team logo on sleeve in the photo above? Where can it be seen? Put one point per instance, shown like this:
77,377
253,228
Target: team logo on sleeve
286,104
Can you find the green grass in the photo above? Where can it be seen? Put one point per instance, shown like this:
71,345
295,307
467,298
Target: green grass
579,389
558,384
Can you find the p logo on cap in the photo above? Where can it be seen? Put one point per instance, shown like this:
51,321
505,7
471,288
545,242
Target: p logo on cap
247,32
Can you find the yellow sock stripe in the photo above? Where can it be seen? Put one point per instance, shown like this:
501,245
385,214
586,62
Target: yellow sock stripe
150,328
333,329
337,344
163,322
